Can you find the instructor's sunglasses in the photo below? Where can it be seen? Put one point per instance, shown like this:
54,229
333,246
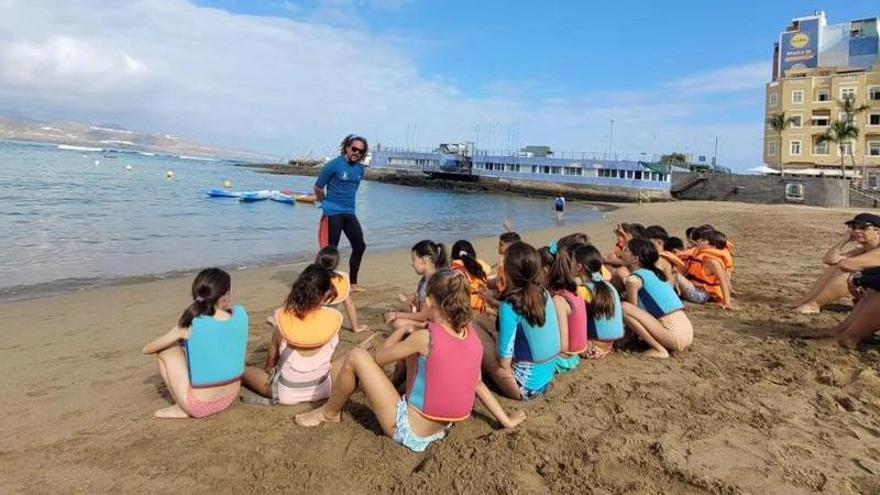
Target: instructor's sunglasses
356,150
860,226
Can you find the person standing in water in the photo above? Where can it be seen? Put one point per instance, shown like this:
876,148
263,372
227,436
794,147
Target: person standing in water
559,206
341,178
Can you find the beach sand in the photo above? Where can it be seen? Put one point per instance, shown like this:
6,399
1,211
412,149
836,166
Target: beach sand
754,406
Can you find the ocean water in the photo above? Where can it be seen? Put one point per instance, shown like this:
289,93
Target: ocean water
76,219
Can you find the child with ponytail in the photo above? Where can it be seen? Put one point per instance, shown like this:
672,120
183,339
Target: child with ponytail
523,361
464,260
448,350
206,378
328,257
427,257
604,313
571,311
298,364
652,309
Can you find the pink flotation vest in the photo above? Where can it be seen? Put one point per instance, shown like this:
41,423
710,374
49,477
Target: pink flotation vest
577,323
444,384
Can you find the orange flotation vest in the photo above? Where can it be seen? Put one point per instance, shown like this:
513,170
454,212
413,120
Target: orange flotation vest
696,273
477,284
342,284
677,263
313,331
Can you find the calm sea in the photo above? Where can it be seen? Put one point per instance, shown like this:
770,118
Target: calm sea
74,219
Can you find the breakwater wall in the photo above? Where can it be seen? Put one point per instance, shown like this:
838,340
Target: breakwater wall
812,191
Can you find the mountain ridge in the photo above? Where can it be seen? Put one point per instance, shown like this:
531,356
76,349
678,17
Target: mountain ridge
112,136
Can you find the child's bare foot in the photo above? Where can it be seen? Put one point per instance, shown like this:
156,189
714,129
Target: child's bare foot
402,298
360,328
847,342
807,309
171,412
315,417
357,288
657,353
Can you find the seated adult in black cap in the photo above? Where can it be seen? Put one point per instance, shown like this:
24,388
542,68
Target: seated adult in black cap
854,250
864,320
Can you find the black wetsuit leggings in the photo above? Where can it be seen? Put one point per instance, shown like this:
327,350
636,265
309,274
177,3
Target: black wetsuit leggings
336,225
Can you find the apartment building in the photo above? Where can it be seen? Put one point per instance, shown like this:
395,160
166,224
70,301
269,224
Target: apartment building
815,66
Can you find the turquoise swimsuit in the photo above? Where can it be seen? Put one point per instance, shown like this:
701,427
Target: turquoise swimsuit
533,350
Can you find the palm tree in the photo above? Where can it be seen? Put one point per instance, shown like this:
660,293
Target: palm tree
841,133
779,123
849,109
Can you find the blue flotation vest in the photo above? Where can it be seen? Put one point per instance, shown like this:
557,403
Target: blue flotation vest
215,350
538,344
605,328
656,296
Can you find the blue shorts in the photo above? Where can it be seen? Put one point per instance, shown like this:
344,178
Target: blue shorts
404,435
522,373
696,295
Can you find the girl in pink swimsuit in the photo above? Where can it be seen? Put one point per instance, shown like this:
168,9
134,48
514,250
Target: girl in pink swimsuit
294,374
209,317
442,368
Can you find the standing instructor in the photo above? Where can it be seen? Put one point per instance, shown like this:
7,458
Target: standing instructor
342,176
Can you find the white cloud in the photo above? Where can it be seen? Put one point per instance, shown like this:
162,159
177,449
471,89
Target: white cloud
288,86
57,63
729,79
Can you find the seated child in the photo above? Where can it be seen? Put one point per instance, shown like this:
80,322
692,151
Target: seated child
298,367
328,257
496,281
604,313
427,257
707,271
571,310
522,362
624,233
668,263
464,259
547,255
674,245
448,350
652,310
204,380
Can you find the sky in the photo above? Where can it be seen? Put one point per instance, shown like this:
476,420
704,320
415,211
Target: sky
291,78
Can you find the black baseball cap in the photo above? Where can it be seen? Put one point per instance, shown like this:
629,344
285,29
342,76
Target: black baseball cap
865,218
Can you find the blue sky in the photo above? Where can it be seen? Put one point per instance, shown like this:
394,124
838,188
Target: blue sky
293,77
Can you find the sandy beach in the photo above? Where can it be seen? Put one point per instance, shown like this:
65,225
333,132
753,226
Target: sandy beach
754,406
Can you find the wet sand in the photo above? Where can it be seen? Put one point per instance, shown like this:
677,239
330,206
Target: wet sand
754,406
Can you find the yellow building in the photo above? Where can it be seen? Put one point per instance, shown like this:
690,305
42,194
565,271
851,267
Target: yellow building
815,67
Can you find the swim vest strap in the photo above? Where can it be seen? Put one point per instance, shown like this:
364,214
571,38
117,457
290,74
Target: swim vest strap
278,377
285,355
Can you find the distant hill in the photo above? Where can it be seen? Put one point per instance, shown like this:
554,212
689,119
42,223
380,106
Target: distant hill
115,137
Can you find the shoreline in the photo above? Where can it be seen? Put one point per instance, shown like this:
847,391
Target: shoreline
25,293
60,287
754,406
